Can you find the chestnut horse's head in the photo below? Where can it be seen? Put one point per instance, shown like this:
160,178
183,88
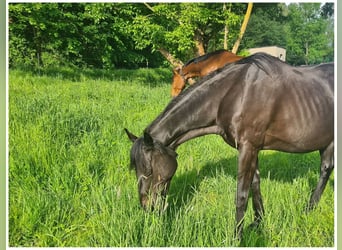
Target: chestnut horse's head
178,82
155,166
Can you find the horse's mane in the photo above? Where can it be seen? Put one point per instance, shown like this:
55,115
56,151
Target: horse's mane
267,63
205,57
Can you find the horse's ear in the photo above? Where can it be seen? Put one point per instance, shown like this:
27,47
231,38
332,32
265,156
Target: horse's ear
148,140
130,135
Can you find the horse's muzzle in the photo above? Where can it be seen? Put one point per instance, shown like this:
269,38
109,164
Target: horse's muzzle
157,203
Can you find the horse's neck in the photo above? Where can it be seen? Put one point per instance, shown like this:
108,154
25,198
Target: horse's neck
179,120
191,115
229,58
192,70
202,68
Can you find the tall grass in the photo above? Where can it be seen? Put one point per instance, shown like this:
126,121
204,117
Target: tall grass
69,182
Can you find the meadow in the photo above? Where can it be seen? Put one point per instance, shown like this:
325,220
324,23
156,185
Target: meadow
70,184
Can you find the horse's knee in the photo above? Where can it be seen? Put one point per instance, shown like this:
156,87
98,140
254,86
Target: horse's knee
327,158
326,169
241,200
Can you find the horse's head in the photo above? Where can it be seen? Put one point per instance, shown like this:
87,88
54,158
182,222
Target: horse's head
178,82
155,166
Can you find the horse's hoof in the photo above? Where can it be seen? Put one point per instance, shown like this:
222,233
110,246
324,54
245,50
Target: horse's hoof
254,225
311,206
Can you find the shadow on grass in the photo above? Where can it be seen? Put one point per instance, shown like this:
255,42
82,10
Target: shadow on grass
277,166
254,237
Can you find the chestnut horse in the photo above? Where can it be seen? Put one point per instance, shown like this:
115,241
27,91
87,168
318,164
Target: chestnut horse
199,67
254,104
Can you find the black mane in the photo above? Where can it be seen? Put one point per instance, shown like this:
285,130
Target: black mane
263,61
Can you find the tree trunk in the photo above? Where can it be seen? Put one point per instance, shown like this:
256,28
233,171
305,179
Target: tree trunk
243,27
306,53
225,41
149,7
199,43
170,58
226,30
38,47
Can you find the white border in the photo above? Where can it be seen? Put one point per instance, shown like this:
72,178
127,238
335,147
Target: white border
335,117
171,1
7,122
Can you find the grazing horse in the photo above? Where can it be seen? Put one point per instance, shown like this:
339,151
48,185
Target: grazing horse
200,66
254,104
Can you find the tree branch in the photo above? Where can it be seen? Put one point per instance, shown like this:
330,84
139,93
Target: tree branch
243,27
171,59
198,38
149,7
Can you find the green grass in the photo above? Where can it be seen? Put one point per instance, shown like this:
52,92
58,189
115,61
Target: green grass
69,182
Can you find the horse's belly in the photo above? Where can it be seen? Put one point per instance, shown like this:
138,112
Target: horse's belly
294,136
302,121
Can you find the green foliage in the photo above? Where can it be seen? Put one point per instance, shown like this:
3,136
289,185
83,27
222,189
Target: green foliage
266,27
69,183
129,35
177,27
311,42
305,30
91,35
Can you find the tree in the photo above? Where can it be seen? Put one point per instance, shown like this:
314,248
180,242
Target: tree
309,34
305,30
130,35
100,35
184,30
30,29
266,26
91,35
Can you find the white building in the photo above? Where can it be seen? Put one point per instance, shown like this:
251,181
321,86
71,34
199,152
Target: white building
272,50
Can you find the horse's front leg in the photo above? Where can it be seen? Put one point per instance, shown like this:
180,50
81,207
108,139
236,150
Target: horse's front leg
248,158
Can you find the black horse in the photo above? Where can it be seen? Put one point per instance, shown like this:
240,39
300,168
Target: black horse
256,103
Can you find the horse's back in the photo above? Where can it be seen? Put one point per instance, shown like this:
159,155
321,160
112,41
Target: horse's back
210,62
283,107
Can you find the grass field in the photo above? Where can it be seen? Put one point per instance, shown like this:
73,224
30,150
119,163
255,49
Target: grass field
70,185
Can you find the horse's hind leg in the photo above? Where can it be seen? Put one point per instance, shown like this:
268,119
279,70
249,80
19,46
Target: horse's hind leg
257,199
327,166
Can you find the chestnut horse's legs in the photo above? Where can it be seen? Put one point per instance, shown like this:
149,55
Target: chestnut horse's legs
327,166
248,159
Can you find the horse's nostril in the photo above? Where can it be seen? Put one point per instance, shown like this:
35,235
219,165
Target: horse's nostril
146,203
